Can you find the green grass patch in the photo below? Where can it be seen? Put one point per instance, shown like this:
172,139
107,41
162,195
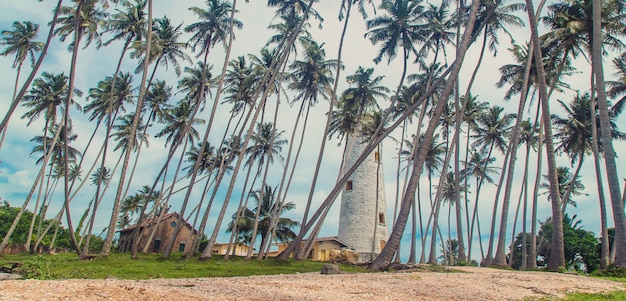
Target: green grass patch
616,295
150,266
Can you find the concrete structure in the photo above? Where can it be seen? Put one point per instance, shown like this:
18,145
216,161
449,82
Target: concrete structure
363,217
162,236
239,248
322,248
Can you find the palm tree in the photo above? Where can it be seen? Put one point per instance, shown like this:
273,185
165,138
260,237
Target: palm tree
311,78
573,133
82,21
567,181
611,168
123,134
16,99
618,87
492,131
267,205
132,132
478,167
557,257
166,48
47,96
56,153
20,41
213,28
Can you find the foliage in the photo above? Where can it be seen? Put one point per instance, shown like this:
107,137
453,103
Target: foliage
517,250
20,234
580,246
68,266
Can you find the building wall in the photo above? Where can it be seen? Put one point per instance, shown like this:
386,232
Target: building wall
363,220
321,250
165,230
240,250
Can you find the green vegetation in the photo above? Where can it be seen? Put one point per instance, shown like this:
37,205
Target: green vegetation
617,295
148,266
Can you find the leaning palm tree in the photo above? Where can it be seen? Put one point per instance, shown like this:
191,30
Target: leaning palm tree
267,146
20,41
312,79
16,99
83,22
557,257
492,131
216,26
265,211
573,133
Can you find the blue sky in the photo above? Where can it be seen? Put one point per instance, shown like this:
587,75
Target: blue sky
18,169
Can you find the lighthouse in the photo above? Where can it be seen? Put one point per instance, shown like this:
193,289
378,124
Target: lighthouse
363,214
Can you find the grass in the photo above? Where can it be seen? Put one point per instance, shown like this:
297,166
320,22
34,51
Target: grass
617,295
150,266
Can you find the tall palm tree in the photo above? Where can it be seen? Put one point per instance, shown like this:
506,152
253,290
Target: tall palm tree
134,125
611,168
83,22
123,134
267,205
311,78
16,99
574,132
557,256
214,28
21,42
492,132
166,48
479,167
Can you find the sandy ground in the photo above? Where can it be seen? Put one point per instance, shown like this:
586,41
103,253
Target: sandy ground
475,284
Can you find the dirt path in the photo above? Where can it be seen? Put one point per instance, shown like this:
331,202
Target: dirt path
474,284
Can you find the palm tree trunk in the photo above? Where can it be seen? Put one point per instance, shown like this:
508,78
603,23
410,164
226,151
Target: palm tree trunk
500,259
68,102
532,253
557,257
607,144
519,204
604,234
106,248
525,209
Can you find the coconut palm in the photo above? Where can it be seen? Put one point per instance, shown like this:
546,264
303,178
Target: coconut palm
26,85
618,87
284,30
573,133
295,7
57,153
492,132
21,42
213,28
166,49
557,257
47,96
123,134
311,78
267,205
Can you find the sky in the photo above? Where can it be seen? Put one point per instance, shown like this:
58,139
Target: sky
18,169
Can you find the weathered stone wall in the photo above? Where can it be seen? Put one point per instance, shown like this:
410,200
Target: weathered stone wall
361,210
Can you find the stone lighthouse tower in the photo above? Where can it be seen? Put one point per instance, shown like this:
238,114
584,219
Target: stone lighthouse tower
363,214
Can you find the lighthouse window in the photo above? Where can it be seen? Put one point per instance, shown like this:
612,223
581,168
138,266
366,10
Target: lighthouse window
381,218
348,185
376,156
